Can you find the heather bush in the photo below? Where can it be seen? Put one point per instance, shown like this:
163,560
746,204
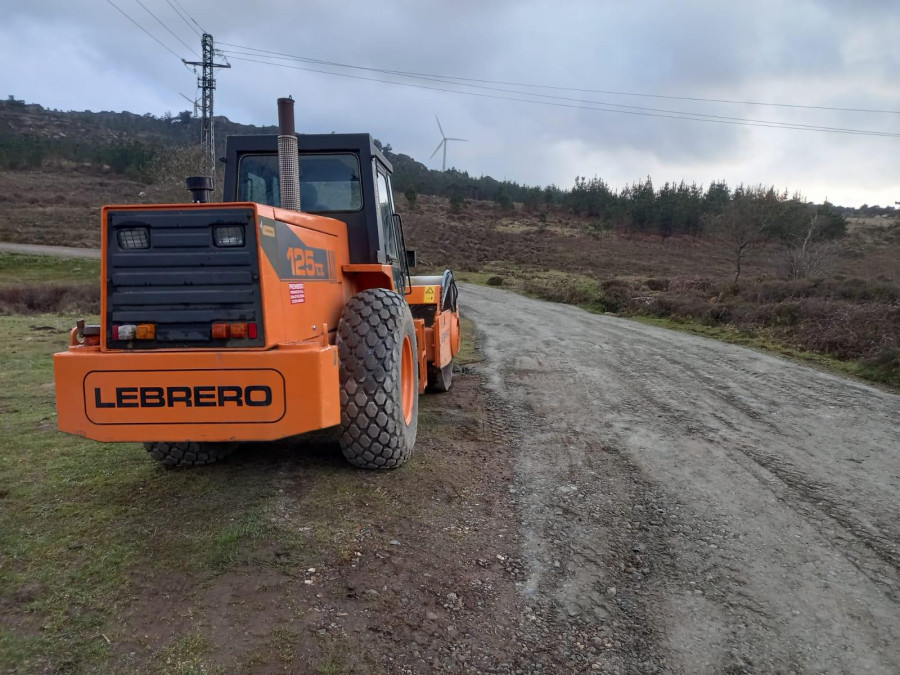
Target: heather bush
563,289
684,284
846,330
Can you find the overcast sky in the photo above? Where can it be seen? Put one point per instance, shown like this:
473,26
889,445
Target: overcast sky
85,55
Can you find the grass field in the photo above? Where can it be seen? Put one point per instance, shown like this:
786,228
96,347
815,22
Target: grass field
34,284
85,524
110,563
17,269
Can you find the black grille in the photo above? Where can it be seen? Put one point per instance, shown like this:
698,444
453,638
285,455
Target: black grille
182,283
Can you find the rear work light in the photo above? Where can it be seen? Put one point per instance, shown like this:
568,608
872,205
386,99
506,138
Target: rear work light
125,332
133,237
228,236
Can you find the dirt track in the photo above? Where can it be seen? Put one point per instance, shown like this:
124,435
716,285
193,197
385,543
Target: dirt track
692,506
58,251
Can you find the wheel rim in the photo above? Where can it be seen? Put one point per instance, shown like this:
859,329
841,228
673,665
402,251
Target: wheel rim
407,379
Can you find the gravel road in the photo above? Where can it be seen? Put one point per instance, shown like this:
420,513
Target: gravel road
691,506
58,251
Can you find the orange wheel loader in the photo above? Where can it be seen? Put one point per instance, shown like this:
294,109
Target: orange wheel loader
287,308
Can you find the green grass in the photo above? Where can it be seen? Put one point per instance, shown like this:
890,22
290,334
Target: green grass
18,269
473,277
467,353
79,519
187,656
89,531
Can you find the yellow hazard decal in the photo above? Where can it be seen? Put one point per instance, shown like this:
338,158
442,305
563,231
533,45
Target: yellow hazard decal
429,294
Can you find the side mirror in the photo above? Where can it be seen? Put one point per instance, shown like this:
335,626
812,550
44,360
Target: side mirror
410,258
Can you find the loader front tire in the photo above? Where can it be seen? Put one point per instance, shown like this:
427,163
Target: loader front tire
172,455
379,378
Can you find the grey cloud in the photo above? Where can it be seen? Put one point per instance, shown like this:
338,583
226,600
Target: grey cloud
823,52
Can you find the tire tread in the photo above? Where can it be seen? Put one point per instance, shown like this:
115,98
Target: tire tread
370,338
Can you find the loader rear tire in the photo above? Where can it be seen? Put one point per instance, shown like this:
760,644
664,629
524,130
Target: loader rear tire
172,455
379,377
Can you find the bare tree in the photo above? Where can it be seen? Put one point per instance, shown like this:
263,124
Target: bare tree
806,256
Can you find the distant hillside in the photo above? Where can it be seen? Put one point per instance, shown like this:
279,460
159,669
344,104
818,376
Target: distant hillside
126,143
140,148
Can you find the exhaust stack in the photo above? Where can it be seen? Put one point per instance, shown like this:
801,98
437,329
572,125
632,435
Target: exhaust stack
288,158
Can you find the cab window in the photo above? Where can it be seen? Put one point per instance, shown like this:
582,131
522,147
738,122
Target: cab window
329,183
385,215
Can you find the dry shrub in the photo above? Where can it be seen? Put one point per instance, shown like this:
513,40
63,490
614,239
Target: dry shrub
51,298
848,319
679,307
809,260
892,234
618,297
853,290
657,284
863,290
848,331
720,315
776,291
563,289
685,284
785,313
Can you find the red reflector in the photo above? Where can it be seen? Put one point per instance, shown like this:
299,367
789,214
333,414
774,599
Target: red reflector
115,332
220,331
238,330
251,331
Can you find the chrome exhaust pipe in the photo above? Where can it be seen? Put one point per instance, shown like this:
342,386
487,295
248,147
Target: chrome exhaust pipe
288,157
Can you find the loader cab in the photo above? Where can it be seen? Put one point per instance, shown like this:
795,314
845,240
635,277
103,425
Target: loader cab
342,176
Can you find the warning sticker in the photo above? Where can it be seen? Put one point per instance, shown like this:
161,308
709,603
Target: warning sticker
298,293
429,294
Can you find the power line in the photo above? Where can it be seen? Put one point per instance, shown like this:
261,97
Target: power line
171,32
663,114
182,17
559,88
581,101
189,16
160,42
673,115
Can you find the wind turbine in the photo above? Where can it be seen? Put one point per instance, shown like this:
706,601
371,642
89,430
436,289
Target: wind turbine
193,102
443,142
